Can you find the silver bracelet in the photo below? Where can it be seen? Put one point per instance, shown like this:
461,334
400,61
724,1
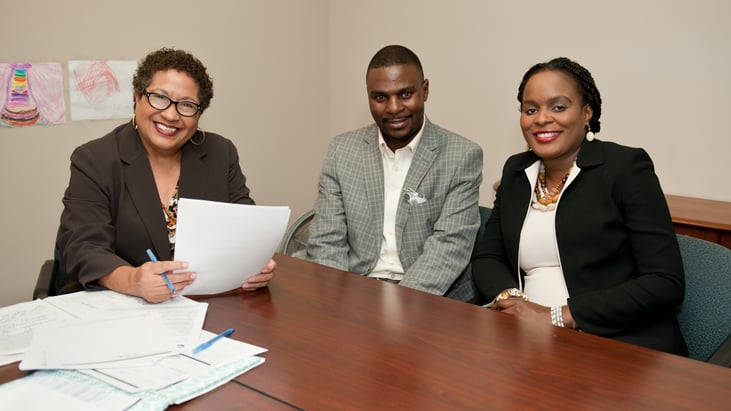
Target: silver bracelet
557,316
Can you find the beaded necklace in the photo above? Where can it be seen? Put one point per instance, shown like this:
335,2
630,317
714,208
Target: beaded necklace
546,198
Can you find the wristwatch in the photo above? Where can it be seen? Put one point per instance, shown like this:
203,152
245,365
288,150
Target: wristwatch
505,294
509,293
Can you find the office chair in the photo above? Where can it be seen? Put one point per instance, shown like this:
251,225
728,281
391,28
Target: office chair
51,277
464,284
294,242
484,216
705,314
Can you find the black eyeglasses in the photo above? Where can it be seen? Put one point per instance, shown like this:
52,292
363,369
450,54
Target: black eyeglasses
162,102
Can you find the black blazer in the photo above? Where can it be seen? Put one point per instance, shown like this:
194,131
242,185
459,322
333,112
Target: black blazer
112,212
616,241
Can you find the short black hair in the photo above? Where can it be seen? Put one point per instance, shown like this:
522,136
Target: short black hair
172,59
395,55
589,92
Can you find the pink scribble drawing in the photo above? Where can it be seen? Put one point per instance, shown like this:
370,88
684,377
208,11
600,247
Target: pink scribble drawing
96,82
31,94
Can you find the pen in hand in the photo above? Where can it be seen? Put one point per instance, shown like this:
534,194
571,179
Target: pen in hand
164,276
210,342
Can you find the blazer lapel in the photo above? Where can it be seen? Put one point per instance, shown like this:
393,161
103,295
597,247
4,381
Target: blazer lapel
373,177
193,172
143,191
424,157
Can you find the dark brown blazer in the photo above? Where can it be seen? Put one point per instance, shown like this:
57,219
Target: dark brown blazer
616,242
112,212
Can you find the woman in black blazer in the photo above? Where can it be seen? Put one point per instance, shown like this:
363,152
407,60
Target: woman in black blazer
124,187
580,234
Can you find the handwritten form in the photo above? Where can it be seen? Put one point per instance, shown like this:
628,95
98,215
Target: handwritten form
18,322
224,243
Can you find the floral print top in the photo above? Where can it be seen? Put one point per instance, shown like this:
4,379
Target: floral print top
171,220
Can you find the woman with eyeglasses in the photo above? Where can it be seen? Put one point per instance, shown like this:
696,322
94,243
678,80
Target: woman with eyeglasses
124,187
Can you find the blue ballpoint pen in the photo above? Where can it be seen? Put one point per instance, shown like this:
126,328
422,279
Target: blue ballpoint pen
164,276
210,342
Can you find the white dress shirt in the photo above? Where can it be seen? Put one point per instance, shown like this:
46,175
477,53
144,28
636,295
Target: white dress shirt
395,167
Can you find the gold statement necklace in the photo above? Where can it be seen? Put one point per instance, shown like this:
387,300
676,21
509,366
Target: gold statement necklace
546,198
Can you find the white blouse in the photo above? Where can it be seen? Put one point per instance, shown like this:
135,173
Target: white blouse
538,252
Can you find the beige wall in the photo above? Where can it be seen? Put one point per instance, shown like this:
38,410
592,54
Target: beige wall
288,74
662,67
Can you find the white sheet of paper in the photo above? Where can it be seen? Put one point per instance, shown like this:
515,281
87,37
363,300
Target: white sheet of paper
18,321
182,316
224,243
58,391
89,343
164,372
170,370
11,358
97,304
224,349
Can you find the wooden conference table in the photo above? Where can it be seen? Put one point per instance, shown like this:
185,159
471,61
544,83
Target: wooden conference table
338,341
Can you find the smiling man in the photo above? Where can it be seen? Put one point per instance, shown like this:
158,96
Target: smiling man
398,199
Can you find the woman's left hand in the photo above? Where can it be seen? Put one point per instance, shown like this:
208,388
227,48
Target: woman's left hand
523,309
262,279
526,309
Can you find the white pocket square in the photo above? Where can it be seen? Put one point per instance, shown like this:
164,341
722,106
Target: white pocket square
414,197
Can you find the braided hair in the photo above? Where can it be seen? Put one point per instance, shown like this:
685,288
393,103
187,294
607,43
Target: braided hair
589,93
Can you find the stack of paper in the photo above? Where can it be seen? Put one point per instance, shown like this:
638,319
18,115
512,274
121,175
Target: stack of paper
115,352
172,380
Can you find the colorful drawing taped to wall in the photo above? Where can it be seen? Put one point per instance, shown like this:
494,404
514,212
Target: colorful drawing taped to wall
20,107
100,89
31,94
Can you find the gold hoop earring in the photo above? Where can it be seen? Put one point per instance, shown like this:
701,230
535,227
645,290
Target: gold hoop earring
203,133
134,121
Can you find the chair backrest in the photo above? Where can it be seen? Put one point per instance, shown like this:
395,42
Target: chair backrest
294,242
705,314
51,276
464,288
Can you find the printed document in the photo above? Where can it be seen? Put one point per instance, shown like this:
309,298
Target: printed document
224,243
96,343
170,370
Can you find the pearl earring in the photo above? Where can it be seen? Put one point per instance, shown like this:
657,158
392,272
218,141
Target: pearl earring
589,133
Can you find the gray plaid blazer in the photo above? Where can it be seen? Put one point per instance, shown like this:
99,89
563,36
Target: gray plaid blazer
434,238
